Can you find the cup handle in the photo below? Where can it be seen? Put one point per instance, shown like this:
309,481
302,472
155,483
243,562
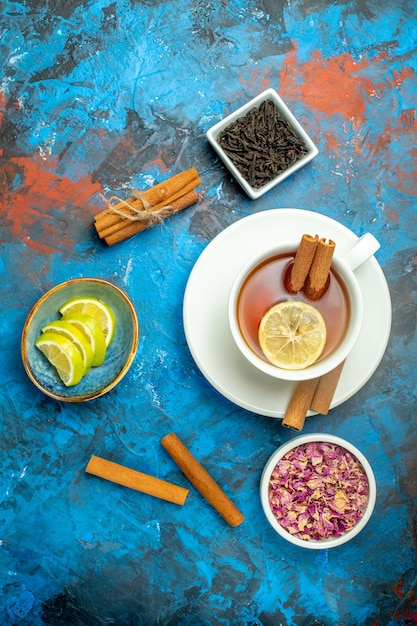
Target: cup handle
362,250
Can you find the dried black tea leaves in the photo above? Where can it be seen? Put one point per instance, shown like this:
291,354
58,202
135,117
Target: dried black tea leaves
262,144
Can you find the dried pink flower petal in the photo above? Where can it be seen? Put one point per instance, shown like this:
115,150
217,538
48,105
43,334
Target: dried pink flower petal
318,490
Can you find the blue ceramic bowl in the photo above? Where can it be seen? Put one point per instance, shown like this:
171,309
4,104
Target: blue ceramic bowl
120,353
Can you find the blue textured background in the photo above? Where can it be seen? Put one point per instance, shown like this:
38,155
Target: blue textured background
101,97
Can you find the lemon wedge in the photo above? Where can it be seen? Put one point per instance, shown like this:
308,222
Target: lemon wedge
79,340
63,355
292,335
95,308
92,331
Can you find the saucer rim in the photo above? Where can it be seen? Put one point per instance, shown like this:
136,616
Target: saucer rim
309,220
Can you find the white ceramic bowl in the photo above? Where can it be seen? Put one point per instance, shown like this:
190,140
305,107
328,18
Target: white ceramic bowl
120,354
215,131
332,541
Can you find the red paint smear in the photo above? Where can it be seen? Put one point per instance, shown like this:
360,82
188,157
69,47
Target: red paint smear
383,55
332,144
409,614
399,591
404,617
40,211
2,106
401,176
257,82
160,164
405,180
394,131
400,77
408,118
331,86
393,217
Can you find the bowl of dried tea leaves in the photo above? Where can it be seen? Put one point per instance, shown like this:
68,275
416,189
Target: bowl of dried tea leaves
261,143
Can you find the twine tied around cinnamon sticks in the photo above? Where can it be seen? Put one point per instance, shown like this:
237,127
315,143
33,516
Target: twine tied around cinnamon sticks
139,214
125,218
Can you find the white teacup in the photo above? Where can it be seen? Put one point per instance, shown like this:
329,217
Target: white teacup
344,304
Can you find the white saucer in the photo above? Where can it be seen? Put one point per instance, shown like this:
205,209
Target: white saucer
205,310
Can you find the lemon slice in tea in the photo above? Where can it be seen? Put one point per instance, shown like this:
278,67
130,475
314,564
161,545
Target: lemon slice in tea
63,355
95,308
292,335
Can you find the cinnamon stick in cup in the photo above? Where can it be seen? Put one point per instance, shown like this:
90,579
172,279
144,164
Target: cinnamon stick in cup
201,479
136,480
318,274
302,262
299,404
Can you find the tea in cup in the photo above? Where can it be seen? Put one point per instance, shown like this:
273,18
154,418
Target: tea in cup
263,283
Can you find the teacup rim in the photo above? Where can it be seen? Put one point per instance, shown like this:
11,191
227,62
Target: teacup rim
317,369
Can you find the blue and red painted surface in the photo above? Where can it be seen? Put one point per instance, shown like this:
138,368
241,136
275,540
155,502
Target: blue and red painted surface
100,97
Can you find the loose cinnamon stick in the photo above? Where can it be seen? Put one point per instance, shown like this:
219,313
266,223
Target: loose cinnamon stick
325,390
136,480
127,228
201,479
299,404
318,275
302,262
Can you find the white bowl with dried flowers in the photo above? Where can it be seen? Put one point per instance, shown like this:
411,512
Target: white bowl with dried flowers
318,491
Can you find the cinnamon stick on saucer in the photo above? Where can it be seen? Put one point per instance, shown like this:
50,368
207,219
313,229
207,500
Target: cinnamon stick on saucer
299,404
325,390
318,275
201,479
315,394
302,262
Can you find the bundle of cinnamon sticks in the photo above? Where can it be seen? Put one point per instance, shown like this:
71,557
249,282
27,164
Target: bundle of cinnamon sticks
125,218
